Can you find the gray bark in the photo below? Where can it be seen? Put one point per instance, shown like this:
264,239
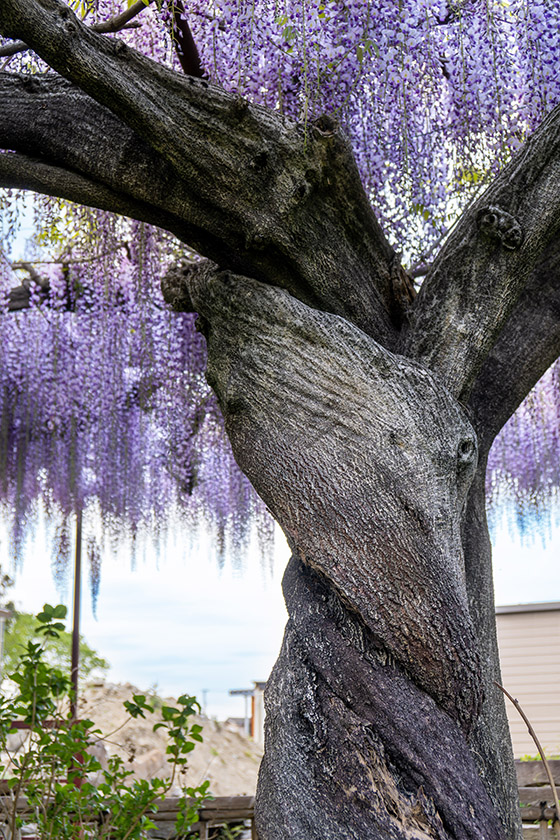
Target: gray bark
489,740
528,344
477,278
378,688
357,410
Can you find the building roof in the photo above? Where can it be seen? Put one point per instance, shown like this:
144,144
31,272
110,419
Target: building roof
539,606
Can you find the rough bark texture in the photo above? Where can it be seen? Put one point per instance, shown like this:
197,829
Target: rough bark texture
358,411
334,432
370,753
485,265
317,404
489,740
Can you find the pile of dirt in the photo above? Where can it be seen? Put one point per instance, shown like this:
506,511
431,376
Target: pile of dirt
226,756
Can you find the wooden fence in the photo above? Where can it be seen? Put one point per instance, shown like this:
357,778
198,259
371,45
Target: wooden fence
535,797
223,810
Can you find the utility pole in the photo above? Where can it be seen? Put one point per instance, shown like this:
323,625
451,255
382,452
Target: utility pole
76,619
4,616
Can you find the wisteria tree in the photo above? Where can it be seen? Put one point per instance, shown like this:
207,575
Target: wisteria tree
310,152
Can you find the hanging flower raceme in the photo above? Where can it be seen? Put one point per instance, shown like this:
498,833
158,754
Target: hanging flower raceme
103,401
524,463
103,398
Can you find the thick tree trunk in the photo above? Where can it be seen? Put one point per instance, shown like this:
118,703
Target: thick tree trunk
490,739
352,744
366,462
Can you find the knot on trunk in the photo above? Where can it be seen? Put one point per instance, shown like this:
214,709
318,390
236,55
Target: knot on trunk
176,284
326,125
501,225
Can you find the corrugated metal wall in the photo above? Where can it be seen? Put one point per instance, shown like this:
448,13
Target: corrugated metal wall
529,641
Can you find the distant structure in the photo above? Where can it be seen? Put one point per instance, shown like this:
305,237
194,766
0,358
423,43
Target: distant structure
253,722
246,693
257,713
529,643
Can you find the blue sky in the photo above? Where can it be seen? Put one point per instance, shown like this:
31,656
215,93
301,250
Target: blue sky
177,621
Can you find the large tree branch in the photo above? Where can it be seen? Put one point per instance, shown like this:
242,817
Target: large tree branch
525,349
476,280
114,24
285,203
24,172
74,148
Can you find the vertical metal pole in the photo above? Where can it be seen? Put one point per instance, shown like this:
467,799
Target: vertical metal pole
2,626
76,624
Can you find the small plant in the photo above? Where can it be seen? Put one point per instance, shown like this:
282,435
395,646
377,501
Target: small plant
47,776
23,627
229,832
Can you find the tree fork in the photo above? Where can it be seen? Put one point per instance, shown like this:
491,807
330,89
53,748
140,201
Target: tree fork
382,546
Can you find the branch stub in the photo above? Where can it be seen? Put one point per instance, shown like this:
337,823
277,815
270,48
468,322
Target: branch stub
496,223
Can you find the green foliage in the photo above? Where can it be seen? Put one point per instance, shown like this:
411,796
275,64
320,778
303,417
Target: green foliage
24,628
51,769
6,583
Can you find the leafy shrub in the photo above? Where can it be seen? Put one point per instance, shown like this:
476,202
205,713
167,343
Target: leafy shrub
49,772
24,627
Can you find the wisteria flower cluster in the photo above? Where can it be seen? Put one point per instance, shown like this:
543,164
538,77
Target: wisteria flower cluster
103,401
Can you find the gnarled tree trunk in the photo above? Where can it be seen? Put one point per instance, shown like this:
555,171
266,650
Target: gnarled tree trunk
366,461
362,413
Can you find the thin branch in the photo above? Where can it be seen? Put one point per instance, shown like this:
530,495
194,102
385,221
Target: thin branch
19,171
185,46
34,275
114,24
420,270
533,735
70,261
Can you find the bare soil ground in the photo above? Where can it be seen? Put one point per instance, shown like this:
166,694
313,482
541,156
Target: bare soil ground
226,757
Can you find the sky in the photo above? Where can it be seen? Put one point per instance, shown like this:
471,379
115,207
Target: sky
179,624
176,622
